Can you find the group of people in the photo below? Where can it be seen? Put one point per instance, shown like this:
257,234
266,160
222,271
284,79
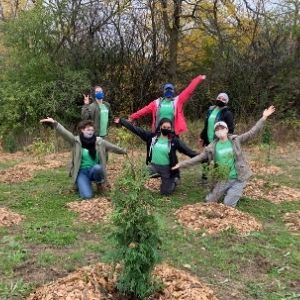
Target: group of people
90,146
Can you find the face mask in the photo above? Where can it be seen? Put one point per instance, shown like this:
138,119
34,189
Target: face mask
88,134
165,131
99,95
220,103
221,133
169,93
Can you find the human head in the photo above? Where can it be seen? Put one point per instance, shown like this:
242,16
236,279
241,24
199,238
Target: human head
87,128
222,99
169,90
165,126
221,130
99,94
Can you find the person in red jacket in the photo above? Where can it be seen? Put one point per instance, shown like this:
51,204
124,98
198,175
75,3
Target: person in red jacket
169,106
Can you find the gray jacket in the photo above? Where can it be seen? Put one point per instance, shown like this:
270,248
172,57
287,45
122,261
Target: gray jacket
102,146
241,165
92,112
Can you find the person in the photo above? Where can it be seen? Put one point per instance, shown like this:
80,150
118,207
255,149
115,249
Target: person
226,152
98,111
161,151
218,112
169,106
88,156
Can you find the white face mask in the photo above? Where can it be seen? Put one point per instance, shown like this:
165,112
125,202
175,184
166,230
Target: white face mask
221,133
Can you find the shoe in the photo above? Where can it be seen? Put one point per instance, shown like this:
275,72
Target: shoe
101,188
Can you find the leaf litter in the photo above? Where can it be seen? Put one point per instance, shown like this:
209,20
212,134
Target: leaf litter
98,282
93,211
9,218
292,221
216,217
260,189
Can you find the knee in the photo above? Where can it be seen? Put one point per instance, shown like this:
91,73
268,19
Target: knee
98,168
229,202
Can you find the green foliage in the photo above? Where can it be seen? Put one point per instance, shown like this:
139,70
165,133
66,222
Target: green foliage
136,234
216,172
40,149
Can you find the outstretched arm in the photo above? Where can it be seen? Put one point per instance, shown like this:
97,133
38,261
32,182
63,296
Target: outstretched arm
257,127
186,94
183,148
143,111
140,132
113,148
66,134
192,161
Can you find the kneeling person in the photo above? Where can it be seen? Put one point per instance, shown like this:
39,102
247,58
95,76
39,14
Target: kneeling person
88,156
226,151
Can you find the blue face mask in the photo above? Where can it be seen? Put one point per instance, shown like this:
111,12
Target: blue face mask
169,93
99,95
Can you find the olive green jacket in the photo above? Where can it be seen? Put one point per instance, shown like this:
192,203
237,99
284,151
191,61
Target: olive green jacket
241,165
102,146
92,112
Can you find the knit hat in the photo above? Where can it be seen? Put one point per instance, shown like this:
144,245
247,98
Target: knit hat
221,123
223,97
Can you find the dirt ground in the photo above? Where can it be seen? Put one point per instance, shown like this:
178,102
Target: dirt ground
260,189
24,171
98,282
9,218
215,217
292,221
94,211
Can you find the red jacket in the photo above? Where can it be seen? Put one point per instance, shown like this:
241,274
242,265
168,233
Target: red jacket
179,119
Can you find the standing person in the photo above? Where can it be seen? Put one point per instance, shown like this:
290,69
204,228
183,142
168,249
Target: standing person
216,113
169,106
98,111
161,151
226,152
88,156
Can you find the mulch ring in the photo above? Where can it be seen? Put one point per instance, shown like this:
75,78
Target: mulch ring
259,167
260,189
93,211
25,170
9,218
97,282
153,184
215,217
292,221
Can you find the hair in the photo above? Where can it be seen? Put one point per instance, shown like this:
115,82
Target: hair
165,120
98,85
85,123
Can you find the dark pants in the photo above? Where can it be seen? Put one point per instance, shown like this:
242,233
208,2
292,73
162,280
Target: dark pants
167,185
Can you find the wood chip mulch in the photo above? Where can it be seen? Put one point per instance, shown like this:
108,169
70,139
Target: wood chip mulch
292,221
9,218
25,170
97,282
215,217
260,189
92,211
153,184
258,167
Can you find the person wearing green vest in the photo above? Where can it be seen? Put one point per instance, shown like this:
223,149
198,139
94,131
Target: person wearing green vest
88,156
98,111
228,156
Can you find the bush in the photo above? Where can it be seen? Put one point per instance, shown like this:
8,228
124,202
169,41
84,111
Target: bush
136,234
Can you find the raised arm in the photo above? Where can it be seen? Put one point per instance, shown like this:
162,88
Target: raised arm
186,94
85,110
66,134
140,132
143,111
257,127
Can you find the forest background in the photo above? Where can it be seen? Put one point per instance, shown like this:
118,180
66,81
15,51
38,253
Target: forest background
52,52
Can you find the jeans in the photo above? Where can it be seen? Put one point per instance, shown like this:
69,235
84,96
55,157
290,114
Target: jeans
167,185
232,189
85,178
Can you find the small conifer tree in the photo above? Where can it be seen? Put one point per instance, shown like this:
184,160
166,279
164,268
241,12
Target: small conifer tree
136,234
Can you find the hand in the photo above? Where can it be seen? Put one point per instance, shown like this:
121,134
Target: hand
47,120
203,77
175,167
117,120
267,112
86,99
130,120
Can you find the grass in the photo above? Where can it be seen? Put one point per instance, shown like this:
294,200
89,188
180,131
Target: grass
51,241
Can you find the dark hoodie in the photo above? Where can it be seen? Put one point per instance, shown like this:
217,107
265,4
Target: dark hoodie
150,138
